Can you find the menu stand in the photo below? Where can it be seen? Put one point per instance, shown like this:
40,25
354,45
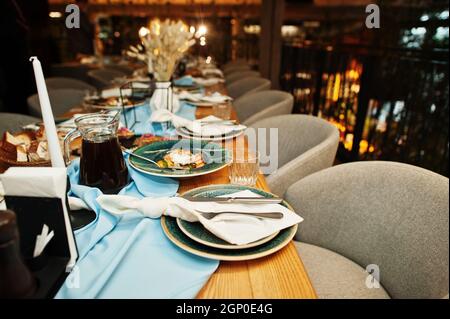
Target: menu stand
50,268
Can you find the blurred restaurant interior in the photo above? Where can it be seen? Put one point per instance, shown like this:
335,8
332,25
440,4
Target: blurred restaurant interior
133,141
385,89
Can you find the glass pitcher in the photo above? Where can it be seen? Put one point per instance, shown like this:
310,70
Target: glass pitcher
101,163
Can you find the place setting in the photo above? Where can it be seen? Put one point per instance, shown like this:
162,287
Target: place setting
118,98
179,158
203,100
210,128
221,222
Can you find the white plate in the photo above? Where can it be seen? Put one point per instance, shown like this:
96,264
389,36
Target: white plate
185,133
199,104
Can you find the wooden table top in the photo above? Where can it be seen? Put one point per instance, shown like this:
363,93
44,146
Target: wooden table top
278,276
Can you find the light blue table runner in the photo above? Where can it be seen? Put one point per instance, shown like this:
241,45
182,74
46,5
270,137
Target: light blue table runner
130,257
143,113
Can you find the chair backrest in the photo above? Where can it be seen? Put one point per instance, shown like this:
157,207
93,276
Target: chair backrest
62,100
13,122
392,215
102,78
236,68
54,83
306,144
248,85
231,64
236,76
256,106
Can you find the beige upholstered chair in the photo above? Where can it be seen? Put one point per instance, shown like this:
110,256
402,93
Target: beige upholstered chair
256,106
102,78
62,100
247,85
385,215
231,64
236,68
236,76
67,83
12,122
306,144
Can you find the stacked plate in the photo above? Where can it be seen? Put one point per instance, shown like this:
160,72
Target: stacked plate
196,239
186,133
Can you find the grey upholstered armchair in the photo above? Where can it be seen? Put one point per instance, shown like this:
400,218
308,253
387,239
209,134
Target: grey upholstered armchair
306,144
392,216
102,78
62,100
236,76
256,106
55,83
248,85
13,122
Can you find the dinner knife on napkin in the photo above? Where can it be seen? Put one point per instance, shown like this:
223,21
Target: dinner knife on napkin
235,200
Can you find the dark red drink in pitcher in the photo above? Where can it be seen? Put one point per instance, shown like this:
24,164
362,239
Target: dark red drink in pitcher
101,163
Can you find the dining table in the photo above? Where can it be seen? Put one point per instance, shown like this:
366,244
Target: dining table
280,275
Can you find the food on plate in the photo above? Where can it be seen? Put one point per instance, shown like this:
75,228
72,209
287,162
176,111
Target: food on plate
181,159
114,101
125,133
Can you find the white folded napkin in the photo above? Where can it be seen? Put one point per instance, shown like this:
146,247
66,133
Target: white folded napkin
198,126
215,98
208,82
233,228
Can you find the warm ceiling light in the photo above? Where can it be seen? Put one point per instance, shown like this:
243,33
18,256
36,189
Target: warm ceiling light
201,31
143,32
55,14
192,29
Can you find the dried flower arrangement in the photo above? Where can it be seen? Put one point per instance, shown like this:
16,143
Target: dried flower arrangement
162,47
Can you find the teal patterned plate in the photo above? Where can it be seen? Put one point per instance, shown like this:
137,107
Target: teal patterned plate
215,156
200,234
179,238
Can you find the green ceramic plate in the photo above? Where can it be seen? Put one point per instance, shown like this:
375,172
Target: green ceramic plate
176,235
215,156
200,234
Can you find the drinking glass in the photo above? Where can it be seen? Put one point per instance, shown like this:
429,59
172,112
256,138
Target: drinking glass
244,169
222,111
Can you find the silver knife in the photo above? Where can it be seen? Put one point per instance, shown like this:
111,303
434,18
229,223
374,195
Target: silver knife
235,200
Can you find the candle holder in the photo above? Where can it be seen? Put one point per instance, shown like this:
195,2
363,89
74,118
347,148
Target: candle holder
138,90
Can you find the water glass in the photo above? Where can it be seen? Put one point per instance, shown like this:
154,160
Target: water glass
222,111
244,169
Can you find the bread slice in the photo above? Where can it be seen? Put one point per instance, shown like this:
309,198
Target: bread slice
22,155
9,143
42,151
24,139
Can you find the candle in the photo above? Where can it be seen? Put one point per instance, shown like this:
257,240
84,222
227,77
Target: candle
47,115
